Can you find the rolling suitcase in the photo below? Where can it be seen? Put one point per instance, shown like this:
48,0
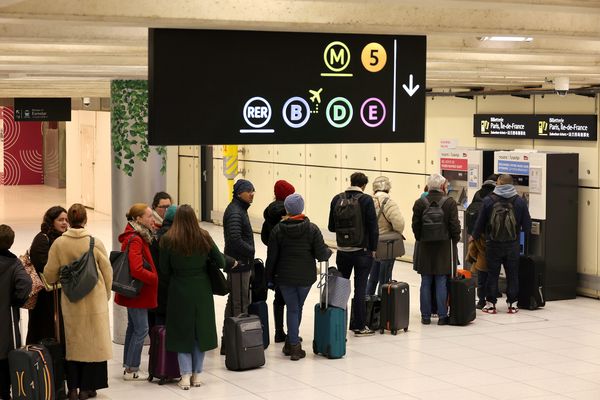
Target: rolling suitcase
461,292
330,325
395,307
31,372
57,353
373,312
244,343
162,364
531,288
261,310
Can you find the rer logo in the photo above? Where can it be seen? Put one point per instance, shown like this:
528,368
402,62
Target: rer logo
257,114
339,112
337,59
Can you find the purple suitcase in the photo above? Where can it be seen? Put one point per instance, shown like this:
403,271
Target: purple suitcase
162,364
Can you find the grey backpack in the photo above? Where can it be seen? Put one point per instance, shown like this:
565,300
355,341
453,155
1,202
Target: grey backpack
433,224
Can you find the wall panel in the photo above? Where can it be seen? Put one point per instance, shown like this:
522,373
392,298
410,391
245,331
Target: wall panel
321,185
362,156
327,155
261,176
290,153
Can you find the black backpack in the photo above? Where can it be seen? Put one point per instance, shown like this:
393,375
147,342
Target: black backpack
348,219
471,215
502,226
433,224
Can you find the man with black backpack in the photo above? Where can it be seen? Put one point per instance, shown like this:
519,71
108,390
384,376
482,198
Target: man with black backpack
503,216
436,227
353,219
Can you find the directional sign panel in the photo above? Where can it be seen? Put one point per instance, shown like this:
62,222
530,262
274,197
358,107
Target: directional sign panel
242,87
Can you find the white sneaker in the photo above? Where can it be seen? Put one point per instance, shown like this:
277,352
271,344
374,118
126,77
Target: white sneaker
196,380
135,376
512,308
184,383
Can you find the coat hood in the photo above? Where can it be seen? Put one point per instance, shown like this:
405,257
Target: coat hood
294,228
275,211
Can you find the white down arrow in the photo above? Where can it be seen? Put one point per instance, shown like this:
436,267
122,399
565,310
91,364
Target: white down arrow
410,89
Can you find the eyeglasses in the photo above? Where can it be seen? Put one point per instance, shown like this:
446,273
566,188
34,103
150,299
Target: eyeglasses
167,206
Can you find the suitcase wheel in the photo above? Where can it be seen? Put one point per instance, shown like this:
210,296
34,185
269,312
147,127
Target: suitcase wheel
406,329
382,331
315,348
163,381
150,378
328,351
394,332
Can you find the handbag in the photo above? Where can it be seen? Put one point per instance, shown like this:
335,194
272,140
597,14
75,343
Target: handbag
337,288
218,282
80,276
123,283
36,282
390,244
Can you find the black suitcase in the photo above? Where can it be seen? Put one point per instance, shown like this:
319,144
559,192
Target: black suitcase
461,292
373,312
395,307
261,310
57,352
244,343
531,288
31,373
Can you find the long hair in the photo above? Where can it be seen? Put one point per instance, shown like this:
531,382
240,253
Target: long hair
185,236
50,216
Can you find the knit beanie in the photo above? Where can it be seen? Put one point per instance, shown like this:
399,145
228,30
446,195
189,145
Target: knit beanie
294,204
283,189
170,213
241,186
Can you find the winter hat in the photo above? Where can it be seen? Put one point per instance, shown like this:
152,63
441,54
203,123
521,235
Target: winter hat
170,213
283,189
241,186
294,204
489,182
382,184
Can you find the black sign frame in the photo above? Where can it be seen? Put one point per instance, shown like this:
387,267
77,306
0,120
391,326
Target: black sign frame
40,109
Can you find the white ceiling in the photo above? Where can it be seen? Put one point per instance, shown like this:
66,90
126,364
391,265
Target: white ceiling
75,47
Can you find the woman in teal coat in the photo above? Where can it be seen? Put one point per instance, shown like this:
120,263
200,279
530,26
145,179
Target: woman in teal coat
191,328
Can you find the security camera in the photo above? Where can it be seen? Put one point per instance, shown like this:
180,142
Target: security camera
87,101
561,85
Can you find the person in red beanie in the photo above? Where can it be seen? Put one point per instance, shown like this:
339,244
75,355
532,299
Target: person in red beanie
273,214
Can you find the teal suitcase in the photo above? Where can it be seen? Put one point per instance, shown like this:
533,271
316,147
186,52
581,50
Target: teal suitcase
330,326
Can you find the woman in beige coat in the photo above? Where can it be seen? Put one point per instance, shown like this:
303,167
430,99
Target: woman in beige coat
87,331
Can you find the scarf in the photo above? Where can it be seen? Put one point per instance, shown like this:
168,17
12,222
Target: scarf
144,232
506,191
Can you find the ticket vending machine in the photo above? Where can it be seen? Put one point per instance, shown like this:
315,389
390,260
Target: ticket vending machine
466,170
549,183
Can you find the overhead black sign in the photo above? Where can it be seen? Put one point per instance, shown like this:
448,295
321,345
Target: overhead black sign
243,87
540,126
42,109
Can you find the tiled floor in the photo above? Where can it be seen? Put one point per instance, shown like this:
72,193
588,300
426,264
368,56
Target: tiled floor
549,354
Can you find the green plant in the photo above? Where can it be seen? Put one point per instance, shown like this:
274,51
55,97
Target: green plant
129,125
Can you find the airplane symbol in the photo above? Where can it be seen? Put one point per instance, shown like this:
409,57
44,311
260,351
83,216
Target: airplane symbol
316,95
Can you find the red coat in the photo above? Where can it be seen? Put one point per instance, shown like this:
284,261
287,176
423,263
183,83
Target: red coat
139,252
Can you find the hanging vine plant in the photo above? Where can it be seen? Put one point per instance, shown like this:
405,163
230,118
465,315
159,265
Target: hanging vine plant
129,123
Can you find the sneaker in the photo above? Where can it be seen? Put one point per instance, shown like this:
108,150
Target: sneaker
512,308
135,376
364,332
195,381
425,321
184,382
489,308
444,321
480,305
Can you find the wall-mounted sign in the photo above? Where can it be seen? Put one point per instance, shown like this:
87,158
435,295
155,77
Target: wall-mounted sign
244,87
540,126
42,109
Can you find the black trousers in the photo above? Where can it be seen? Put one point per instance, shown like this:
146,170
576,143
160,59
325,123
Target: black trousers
4,380
87,375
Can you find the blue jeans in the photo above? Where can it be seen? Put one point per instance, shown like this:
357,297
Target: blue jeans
191,362
381,272
507,254
361,261
482,277
294,297
137,330
441,295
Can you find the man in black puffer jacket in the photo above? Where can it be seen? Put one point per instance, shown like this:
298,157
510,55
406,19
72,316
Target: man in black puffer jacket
273,214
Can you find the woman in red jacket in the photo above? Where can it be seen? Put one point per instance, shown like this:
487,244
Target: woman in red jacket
138,236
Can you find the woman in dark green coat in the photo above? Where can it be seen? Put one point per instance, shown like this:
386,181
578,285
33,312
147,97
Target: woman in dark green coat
191,328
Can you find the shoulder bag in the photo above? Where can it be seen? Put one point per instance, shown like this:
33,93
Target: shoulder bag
218,282
123,283
79,278
391,244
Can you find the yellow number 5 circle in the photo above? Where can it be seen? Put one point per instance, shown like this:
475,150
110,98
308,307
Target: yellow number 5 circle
373,57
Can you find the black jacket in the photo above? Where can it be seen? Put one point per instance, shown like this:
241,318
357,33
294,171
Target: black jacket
434,258
369,219
521,215
272,214
15,286
239,238
293,247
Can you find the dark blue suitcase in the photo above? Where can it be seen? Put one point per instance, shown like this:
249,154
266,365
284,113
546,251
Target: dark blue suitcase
261,309
330,326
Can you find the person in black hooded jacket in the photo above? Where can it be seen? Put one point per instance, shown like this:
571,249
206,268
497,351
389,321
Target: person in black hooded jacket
294,245
273,215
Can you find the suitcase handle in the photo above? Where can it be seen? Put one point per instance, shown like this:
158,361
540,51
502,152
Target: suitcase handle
323,280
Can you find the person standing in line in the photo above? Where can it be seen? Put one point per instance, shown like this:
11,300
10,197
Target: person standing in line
294,245
390,219
41,318
436,247
160,203
191,327
352,216
503,216
273,215
87,329
15,287
138,236
239,245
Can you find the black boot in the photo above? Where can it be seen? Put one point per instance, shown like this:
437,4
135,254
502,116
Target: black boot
286,349
296,352
278,317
